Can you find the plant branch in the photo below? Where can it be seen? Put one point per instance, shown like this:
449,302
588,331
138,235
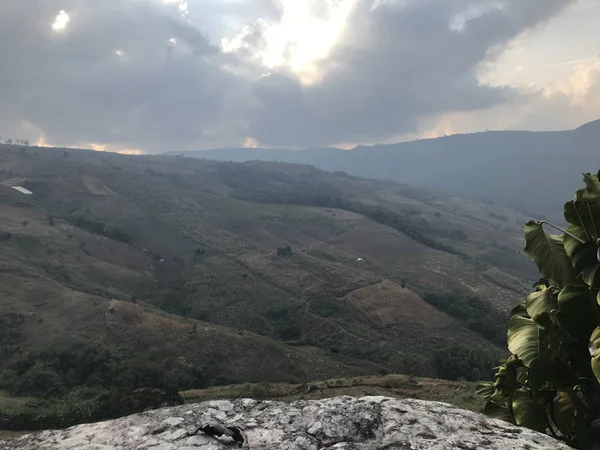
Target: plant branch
545,222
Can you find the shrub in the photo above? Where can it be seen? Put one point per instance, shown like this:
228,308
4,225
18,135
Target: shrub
477,314
551,382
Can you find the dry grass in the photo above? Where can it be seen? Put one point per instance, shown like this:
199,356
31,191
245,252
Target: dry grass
461,394
96,187
387,304
221,351
7,434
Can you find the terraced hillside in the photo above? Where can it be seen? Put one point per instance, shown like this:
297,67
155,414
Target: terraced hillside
178,272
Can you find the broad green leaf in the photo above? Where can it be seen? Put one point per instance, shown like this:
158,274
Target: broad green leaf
523,335
595,352
497,411
548,252
528,410
592,182
564,412
485,390
585,214
576,313
570,243
519,310
586,264
523,375
506,379
541,301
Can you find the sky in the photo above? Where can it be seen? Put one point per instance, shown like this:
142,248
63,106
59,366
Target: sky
172,75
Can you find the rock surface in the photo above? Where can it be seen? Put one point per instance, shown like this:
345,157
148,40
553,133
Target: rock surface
341,423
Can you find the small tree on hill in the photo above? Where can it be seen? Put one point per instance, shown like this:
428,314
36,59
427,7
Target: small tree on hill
284,251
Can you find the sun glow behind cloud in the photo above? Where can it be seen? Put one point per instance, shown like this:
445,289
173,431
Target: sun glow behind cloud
61,21
182,5
300,39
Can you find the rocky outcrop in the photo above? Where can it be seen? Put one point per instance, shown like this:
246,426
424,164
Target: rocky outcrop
341,423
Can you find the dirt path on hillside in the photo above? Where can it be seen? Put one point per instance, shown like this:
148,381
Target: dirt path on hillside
330,238
307,311
385,280
341,328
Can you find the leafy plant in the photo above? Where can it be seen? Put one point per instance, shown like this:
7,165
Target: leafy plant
551,381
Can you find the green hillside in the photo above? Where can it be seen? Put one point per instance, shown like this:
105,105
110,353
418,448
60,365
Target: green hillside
124,273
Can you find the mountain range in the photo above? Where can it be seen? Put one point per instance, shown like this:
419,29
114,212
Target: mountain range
530,171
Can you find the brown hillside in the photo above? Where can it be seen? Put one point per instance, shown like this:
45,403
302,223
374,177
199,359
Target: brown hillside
387,304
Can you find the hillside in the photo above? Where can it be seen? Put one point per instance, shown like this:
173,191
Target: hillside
524,170
458,393
126,272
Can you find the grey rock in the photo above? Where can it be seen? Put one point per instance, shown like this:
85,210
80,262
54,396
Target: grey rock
341,423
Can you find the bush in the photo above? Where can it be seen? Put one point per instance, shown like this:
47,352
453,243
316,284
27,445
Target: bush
85,405
477,314
551,382
99,227
84,381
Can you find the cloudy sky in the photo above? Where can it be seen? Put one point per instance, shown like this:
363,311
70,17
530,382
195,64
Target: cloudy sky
161,75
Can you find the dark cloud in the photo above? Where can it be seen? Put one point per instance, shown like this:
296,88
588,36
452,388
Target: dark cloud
168,85
394,64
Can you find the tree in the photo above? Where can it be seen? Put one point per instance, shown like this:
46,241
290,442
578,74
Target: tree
284,251
26,142
551,382
9,141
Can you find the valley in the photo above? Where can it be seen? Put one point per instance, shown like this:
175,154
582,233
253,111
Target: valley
123,273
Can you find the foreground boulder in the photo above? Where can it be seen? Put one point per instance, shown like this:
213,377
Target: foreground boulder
341,423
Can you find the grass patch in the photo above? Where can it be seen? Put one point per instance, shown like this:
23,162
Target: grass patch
461,394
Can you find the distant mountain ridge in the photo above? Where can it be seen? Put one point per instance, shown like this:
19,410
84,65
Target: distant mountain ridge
526,170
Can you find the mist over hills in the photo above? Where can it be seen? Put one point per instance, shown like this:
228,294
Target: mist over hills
530,171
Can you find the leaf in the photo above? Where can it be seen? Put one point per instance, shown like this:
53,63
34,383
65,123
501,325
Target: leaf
548,252
506,379
563,412
576,313
595,352
485,390
523,335
539,302
529,410
584,213
497,411
570,243
519,310
586,264
592,183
